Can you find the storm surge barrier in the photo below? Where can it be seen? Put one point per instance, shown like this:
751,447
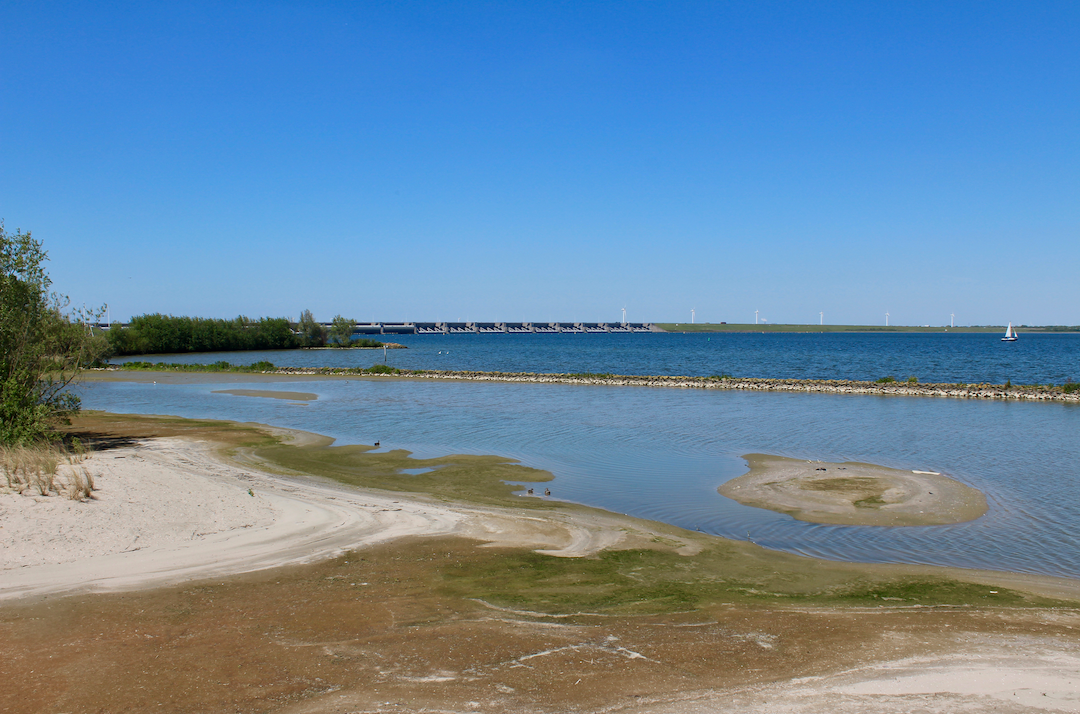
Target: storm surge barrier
451,328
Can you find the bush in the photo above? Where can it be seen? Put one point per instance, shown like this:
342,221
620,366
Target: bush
913,380
42,348
1070,387
382,369
886,380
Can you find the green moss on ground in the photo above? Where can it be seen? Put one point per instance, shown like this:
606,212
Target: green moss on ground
489,480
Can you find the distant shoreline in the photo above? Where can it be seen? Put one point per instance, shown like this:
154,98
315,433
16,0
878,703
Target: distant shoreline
709,327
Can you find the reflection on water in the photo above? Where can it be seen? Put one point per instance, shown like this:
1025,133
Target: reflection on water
661,453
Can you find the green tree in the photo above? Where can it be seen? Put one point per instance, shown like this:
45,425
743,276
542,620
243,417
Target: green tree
312,334
42,349
341,330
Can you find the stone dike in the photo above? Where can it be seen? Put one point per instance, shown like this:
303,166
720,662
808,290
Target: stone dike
1037,393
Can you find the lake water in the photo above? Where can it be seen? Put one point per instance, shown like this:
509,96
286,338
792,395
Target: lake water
661,453
935,357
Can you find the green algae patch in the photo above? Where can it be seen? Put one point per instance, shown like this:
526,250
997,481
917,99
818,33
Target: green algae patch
638,582
477,479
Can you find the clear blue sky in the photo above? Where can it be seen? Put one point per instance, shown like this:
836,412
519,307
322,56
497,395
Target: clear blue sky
550,161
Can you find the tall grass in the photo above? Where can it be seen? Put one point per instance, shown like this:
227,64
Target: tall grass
37,470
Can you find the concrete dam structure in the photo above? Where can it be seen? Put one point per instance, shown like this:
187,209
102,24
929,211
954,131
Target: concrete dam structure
456,328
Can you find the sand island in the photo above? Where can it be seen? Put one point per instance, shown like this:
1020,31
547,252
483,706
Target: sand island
853,493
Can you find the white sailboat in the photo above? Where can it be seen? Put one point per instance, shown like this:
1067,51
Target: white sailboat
1010,336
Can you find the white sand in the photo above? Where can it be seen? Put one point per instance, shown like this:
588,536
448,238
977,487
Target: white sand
981,673
167,511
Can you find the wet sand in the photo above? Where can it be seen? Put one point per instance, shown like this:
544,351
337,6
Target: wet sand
853,493
269,394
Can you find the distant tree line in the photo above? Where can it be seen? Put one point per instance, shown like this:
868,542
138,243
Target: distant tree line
165,334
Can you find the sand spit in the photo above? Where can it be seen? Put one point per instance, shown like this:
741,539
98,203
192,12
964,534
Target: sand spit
853,493
167,511
1036,393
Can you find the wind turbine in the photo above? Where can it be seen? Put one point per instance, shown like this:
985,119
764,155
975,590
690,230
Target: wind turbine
624,315
822,316
691,316
952,317
886,319
755,317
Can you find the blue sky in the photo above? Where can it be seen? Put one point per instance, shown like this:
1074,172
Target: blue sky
550,161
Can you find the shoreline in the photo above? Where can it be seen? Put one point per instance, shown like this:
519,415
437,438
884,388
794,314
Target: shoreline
1033,393
274,535
327,597
169,510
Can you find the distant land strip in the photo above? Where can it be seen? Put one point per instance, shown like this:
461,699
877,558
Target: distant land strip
1069,392
781,328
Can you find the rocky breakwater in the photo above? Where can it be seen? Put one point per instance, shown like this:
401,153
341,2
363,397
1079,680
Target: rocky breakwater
827,386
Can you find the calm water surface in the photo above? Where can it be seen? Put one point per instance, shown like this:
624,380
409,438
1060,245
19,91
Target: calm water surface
661,453
937,357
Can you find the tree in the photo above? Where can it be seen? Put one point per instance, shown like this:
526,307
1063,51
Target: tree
42,349
312,334
341,329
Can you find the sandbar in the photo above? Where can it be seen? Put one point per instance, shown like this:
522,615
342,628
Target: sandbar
854,493
269,394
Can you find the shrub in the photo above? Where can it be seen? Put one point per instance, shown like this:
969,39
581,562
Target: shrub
913,380
42,348
1070,387
886,380
382,369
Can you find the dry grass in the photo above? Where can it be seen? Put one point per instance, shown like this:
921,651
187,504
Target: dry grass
80,485
37,470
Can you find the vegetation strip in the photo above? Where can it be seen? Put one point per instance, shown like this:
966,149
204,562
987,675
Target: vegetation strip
1069,392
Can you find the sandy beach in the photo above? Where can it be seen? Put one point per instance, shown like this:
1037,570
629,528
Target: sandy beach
168,511
177,538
